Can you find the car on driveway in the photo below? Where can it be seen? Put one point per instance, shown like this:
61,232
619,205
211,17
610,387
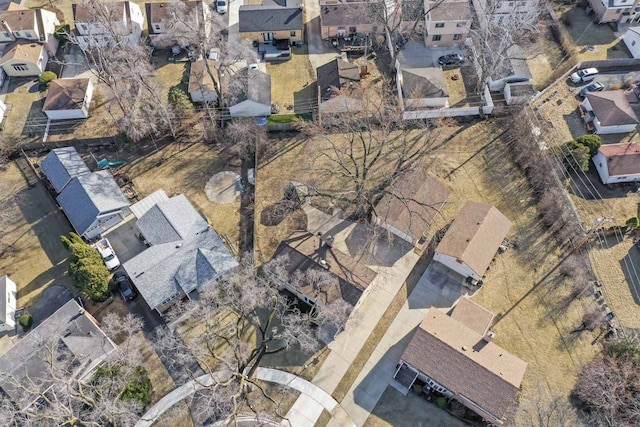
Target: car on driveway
593,87
125,287
107,253
584,76
221,6
451,59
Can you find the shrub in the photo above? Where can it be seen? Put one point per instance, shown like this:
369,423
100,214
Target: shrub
86,268
25,321
576,155
441,402
179,99
416,388
592,141
47,77
633,222
137,385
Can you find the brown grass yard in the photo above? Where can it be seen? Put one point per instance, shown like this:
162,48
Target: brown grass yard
293,82
186,168
535,324
35,258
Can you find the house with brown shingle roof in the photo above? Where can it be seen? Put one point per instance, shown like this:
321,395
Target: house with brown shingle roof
608,112
306,251
618,163
450,356
410,206
24,58
68,99
115,24
36,25
472,240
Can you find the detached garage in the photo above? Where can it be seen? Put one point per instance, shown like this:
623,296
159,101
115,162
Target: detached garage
68,99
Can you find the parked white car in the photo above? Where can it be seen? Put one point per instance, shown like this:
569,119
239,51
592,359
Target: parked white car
221,6
584,76
107,253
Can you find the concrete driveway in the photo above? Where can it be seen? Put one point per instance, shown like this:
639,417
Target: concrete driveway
319,51
415,54
439,288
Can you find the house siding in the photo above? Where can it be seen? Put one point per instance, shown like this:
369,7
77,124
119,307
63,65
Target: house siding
9,324
600,162
459,267
203,96
32,68
632,40
332,31
102,224
284,35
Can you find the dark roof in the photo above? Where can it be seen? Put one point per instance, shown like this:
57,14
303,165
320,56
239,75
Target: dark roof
258,87
305,252
475,235
336,74
62,164
90,195
334,15
171,220
66,94
460,360
68,331
414,202
22,50
622,159
425,82
164,270
82,13
612,108
269,17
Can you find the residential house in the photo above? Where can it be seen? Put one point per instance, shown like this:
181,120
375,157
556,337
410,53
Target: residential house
608,112
623,11
23,58
343,19
411,205
120,24
272,21
202,86
618,163
33,25
472,240
183,16
501,12
185,254
8,293
68,99
93,203
455,356
254,97
61,165
339,87
632,40
420,88
70,334
447,23
305,251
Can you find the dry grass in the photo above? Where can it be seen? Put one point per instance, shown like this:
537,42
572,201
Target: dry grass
292,82
35,258
185,169
22,99
323,420
619,270
160,379
178,415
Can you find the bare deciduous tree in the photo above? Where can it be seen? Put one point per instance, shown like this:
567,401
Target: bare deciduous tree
241,320
64,398
358,156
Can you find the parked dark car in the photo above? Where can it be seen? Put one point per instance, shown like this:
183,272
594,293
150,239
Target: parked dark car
593,87
451,59
125,287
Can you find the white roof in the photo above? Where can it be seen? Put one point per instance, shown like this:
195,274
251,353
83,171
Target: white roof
141,207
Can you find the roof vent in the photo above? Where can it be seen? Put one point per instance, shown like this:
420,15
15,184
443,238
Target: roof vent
464,348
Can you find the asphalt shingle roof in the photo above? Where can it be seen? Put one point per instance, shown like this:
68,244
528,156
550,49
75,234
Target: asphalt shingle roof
66,94
258,87
425,82
269,17
163,271
89,195
62,164
612,108
70,329
336,74
171,220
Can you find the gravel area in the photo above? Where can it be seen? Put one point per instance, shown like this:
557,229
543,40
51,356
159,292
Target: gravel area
223,187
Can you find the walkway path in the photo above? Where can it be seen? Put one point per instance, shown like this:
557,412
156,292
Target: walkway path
320,400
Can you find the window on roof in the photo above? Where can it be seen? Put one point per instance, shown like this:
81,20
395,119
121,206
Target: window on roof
156,26
27,34
292,33
439,24
7,35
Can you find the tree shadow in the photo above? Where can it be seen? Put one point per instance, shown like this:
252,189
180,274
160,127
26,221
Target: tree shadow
275,213
376,246
52,298
629,265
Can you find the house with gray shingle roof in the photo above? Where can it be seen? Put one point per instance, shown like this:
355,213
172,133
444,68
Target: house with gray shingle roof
272,20
421,88
68,335
93,203
608,112
61,165
254,98
185,254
